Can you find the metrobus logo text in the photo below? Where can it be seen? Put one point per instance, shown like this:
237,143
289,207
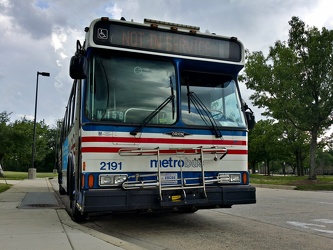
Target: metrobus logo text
172,163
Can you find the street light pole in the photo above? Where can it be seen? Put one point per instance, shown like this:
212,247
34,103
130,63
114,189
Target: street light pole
32,170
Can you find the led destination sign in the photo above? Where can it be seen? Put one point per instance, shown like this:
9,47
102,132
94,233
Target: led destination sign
138,37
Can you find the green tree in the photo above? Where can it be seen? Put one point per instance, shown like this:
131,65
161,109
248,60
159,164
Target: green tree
324,161
256,142
327,142
294,82
264,144
16,144
5,131
49,161
296,144
22,142
20,153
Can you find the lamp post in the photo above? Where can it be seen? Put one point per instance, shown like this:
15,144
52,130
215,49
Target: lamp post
32,170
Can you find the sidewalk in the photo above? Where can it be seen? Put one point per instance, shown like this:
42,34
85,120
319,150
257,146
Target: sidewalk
31,217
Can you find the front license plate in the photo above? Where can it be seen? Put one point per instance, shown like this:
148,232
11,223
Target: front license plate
169,178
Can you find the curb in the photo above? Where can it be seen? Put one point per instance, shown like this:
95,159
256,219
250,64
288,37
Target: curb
65,219
285,187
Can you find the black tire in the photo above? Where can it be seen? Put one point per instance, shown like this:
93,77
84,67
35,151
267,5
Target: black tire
62,191
76,215
70,181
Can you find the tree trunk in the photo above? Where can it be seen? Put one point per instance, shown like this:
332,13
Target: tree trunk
297,163
313,148
301,165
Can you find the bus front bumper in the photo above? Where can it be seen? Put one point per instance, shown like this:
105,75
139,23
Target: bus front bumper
116,200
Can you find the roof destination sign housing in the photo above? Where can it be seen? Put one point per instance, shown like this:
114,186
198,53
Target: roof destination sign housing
125,35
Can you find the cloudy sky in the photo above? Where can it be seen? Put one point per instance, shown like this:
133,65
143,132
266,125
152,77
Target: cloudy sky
40,35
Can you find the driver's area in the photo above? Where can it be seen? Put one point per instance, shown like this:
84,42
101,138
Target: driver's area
216,97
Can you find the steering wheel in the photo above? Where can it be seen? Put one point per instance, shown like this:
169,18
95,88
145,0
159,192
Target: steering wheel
217,114
220,116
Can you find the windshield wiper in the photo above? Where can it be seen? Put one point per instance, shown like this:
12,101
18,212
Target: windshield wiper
152,115
145,121
202,110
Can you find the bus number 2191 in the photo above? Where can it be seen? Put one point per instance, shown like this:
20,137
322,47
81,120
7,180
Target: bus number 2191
110,165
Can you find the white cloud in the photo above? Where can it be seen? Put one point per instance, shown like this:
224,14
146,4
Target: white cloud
58,37
115,11
5,4
40,35
62,55
321,15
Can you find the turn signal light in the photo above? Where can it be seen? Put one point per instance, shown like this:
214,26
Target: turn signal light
244,178
91,181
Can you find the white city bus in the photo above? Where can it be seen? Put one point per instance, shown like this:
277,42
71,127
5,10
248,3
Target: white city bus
154,121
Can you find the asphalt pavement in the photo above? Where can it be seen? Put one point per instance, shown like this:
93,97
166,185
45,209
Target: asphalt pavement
33,217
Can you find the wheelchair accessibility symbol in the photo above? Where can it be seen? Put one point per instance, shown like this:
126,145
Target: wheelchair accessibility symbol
102,33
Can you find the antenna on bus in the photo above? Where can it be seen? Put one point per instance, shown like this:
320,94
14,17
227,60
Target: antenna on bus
173,26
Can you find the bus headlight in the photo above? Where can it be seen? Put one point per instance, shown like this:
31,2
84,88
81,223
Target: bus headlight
235,178
229,178
119,179
111,179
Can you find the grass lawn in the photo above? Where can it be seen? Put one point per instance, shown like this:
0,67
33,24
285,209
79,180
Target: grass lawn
323,182
4,187
10,175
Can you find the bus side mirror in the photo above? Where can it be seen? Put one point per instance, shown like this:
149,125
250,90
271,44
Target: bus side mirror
250,119
78,67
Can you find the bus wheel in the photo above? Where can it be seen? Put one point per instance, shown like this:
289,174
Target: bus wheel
77,216
62,191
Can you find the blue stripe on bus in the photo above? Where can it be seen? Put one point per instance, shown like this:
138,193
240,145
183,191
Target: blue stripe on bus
162,130
185,175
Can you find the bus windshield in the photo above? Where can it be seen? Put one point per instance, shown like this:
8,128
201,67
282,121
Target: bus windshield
129,89
216,100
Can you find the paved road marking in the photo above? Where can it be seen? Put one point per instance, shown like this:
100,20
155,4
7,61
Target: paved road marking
329,203
327,221
315,227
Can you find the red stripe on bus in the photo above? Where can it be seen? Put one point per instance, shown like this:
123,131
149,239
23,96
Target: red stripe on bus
116,150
